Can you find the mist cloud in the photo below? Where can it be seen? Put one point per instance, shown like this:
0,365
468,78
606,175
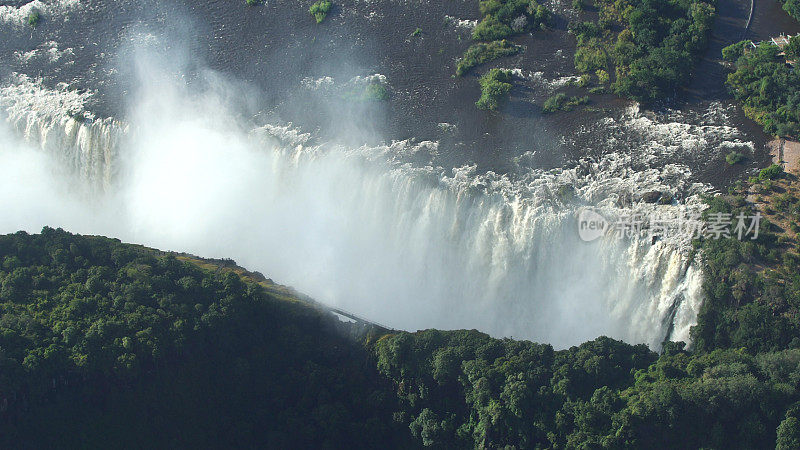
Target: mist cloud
377,240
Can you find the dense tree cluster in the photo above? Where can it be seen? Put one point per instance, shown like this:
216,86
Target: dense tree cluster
649,45
502,19
103,343
768,88
745,307
792,7
505,18
464,389
495,85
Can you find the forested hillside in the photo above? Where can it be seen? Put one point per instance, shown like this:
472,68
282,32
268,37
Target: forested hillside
111,344
464,389
108,344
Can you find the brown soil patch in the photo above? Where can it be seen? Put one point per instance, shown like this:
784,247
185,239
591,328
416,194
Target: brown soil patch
788,156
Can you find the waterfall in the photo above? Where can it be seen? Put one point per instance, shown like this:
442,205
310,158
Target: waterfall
416,248
362,229
56,121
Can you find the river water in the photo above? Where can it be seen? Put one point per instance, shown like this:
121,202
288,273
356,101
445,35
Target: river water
231,131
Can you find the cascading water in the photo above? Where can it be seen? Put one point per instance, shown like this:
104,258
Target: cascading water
56,122
430,250
411,247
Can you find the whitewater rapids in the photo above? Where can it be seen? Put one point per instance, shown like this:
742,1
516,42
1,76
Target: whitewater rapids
358,228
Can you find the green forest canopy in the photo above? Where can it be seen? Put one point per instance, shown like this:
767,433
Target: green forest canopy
102,342
649,45
768,88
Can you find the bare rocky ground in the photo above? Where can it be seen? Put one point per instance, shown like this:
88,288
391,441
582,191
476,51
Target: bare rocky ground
787,154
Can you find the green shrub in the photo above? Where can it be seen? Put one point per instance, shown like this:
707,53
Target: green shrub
734,157
602,76
585,31
495,85
792,7
491,29
504,10
772,172
792,49
735,51
33,18
788,434
376,92
591,57
555,102
575,101
784,202
416,32
560,102
481,53
538,15
320,10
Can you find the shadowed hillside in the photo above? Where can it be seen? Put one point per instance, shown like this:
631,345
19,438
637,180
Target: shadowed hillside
110,344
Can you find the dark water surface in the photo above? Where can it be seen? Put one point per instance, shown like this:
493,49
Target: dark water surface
277,48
